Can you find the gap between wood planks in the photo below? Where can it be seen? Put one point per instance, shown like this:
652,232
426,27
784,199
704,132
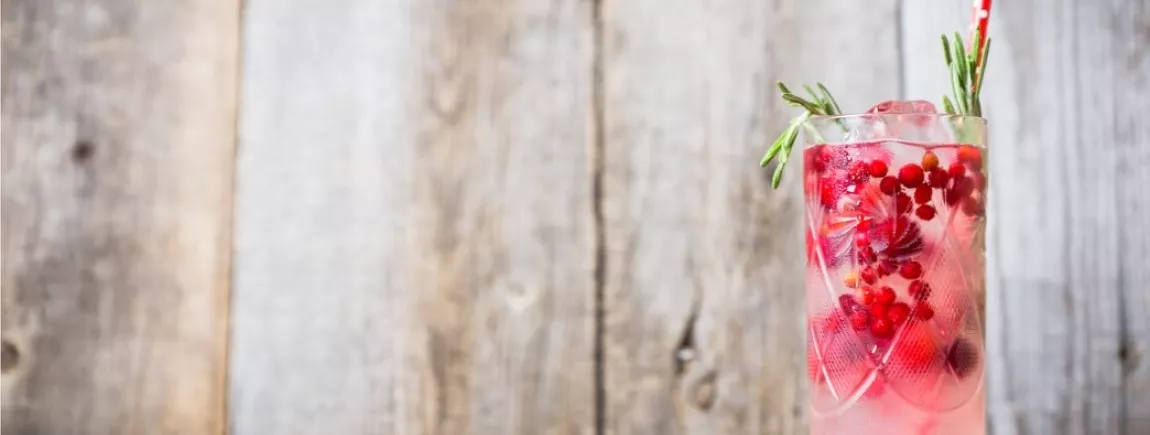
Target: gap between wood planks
599,250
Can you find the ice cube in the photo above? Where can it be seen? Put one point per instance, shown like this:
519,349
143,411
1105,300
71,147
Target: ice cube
909,120
903,106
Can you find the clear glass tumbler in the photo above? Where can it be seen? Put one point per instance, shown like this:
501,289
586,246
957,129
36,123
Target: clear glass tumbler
895,217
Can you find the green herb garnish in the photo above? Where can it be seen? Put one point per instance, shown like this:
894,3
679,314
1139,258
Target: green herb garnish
823,104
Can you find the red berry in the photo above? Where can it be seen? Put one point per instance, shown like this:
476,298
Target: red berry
911,270
956,170
877,169
962,357
971,156
888,185
922,194
911,175
972,206
923,311
938,178
847,302
877,310
902,203
925,212
885,268
869,275
862,239
882,327
929,161
830,188
833,323
857,171
868,295
898,312
885,296
919,290
961,188
859,320
866,255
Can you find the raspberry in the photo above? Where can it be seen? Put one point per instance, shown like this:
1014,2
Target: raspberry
962,357
911,270
847,302
911,175
919,290
877,169
857,171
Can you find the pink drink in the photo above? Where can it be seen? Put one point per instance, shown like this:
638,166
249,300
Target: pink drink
895,274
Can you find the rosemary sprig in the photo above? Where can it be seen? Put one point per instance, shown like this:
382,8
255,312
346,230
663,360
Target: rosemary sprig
967,71
820,103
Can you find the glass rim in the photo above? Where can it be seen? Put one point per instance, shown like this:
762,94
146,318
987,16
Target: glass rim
964,118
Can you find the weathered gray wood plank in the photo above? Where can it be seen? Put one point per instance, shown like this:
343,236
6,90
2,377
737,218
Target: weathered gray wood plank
118,121
414,238
703,260
1066,95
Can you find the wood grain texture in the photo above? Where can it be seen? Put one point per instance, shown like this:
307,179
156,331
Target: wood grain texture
1066,94
414,239
118,121
704,326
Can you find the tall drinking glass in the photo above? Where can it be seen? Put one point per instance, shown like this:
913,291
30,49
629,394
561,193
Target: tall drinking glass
895,223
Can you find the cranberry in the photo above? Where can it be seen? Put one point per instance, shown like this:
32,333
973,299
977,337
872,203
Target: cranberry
885,268
962,357
898,312
956,170
882,327
911,175
938,178
877,169
888,185
925,212
902,203
866,255
923,311
885,296
862,239
929,161
971,156
868,295
922,194
972,206
869,275
910,270
877,310
961,188
919,290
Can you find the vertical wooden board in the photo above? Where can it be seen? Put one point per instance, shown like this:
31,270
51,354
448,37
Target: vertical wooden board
704,324
118,121
414,240
1068,245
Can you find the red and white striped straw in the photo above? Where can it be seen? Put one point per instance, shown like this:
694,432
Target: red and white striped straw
979,21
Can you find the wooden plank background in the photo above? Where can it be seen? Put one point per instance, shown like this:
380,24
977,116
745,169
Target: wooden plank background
528,217
118,132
